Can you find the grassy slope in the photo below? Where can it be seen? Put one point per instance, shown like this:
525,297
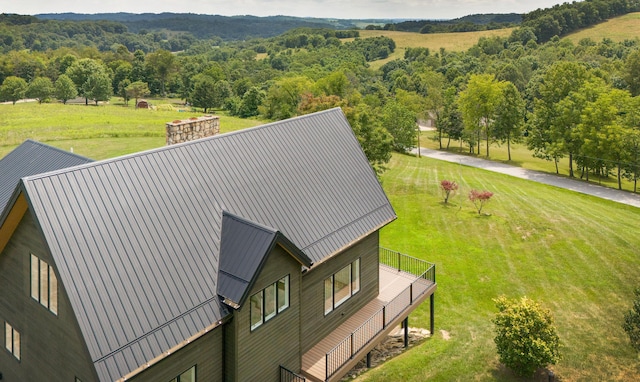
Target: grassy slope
617,29
449,41
96,132
575,254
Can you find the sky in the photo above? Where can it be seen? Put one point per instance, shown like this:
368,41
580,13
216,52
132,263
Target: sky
339,9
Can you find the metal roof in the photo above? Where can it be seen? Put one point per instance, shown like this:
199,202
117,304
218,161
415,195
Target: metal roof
136,239
32,158
242,244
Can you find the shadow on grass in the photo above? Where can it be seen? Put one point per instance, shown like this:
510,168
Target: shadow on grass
502,373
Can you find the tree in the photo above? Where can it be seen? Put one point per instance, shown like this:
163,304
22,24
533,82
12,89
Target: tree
509,116
65,89
122,91
526,336
98,87
41,88
478,104
480,199
137,90
203,94
450,120
162,63
251,101
80,72
631,323
400,122
283,97
631,72
375,140
13,89
449,189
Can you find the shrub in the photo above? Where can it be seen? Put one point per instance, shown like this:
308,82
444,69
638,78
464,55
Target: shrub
479,199
449,189
526,336
631,323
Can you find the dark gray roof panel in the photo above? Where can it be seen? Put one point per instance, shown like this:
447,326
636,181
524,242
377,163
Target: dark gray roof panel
243,247
32,158
136,239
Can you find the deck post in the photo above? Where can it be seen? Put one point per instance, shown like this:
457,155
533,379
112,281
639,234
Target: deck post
431,313
405,323
369,360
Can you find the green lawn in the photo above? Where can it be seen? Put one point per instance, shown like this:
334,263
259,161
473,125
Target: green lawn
575,254
96,132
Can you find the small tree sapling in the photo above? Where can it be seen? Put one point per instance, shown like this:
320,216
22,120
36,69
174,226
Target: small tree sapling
480,198
449,189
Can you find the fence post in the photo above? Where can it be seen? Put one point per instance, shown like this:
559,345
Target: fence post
326,366
399,261
411,294
431,311
352,346
384,316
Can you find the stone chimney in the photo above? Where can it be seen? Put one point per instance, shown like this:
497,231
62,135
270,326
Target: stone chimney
193,128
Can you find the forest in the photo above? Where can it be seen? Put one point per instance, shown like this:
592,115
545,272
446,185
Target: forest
564,99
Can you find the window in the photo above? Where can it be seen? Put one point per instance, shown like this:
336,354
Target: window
270,301
187,376
340,286
12,340
44,284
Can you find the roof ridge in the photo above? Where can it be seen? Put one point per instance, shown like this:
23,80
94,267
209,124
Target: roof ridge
175,146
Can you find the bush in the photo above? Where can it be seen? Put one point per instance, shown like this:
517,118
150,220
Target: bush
631,323
526,336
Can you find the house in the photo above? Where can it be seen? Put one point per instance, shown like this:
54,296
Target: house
252,255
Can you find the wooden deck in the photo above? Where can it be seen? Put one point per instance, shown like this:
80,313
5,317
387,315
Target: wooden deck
392,284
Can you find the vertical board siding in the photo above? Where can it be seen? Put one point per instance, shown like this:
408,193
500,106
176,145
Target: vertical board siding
315,325
52,348
276,342
205,353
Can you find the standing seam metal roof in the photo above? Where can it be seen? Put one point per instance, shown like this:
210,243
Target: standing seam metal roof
32,158
136,239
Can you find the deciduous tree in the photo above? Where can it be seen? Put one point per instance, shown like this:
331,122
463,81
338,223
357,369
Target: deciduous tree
13,89
449,189
631,323
41,88
480,199
65,89
137,90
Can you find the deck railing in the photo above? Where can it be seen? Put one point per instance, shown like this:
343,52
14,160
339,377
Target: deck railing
359,338
287,375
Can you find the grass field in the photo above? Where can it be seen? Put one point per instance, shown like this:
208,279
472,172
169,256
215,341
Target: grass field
575,254
449,41
96,132
617,29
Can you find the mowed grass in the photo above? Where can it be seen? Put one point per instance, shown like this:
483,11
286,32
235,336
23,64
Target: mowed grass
575,254
449,41
617,29
97,132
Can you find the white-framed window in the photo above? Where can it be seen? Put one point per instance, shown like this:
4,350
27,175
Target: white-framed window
12,340
268,302
44,284
187,376
340,286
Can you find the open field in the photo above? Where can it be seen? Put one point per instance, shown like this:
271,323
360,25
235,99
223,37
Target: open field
617,29
575,254
96,132
449,41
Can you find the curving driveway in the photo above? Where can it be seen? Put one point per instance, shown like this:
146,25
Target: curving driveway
624,197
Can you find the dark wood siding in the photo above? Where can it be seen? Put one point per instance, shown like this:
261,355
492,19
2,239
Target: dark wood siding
205,353
315,325
276,342
52,348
